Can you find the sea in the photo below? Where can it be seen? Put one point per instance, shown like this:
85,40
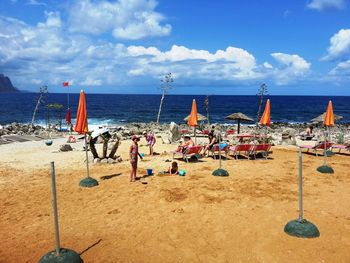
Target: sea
117,109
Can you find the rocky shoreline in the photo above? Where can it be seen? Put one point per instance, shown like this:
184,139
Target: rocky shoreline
280,133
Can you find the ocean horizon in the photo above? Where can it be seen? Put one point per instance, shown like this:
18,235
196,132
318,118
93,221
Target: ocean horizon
118,109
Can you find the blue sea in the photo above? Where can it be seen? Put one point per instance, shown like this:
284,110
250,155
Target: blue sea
114,109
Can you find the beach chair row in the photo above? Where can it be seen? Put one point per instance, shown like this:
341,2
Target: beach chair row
245,150
325,145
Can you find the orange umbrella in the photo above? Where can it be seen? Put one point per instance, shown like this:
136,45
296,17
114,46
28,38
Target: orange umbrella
193,119
329,117
81,125
265,118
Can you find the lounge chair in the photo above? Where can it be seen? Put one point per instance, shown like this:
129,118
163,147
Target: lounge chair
261,148
215,149
318,146
190,151
239,148
340,147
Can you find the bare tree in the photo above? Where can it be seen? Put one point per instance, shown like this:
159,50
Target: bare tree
261,93
42,94
166,85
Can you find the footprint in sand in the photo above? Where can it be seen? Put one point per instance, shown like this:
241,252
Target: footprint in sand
173,195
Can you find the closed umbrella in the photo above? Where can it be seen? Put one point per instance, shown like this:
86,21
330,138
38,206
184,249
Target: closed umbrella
238,116
328,121
265,118
193,119
81,127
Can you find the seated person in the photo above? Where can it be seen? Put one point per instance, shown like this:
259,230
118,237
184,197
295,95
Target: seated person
212,141
173,169
187,143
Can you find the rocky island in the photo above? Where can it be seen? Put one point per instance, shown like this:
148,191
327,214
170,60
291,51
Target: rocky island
6,84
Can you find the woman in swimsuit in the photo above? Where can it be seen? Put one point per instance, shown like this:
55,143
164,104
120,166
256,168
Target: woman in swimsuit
134,154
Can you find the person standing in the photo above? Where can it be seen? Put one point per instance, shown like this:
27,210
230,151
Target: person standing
151,141
134,154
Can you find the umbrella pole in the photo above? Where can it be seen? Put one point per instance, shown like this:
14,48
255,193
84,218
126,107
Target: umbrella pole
87,157
239,126
54,204
325,150
195,136
300,186
219,156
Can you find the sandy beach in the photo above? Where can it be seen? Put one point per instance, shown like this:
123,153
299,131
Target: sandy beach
195,218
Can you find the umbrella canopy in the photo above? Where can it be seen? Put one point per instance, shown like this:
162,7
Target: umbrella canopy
239,116
200,117
265,118
68,117
81,125
329,117
193,118
322,116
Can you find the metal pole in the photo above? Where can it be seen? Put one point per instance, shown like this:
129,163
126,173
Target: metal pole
300,186
219,155
87,157
325,151
54,204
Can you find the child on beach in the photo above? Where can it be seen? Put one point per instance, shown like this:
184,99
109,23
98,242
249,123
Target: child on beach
134,154
173,169
151,141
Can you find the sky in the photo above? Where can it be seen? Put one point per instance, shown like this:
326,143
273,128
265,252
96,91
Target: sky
295,47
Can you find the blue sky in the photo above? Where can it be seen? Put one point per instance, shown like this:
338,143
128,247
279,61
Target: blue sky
211,47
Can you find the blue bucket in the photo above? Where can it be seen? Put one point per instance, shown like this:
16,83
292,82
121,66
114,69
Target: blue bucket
149,171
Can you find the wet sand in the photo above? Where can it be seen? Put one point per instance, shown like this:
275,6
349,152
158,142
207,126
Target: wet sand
195,218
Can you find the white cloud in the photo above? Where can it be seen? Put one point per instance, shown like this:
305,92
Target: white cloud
126,19
47,54
293,69
35,2
339,45
321,5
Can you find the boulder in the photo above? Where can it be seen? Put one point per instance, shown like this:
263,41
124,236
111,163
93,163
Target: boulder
65,148
289,133
97,160
111,160
175,134
166,138
104,160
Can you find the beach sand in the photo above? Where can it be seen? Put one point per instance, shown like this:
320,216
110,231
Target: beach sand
195,218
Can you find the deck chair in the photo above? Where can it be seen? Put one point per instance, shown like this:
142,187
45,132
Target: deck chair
318,146
261,148
340,147
190,151
215,149
241,148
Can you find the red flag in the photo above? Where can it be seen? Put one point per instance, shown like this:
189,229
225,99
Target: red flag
68,117
65,84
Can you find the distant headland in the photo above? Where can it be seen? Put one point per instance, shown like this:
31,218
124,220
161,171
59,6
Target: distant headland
6,84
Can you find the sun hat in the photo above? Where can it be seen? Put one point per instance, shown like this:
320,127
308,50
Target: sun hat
144,133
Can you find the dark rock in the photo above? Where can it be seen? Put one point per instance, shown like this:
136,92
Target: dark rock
65,148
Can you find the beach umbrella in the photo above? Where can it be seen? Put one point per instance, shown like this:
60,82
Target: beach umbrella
328,121
238,116
301,227
62,255
321,118
81,127
200,117
193,118
68,117
265,118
